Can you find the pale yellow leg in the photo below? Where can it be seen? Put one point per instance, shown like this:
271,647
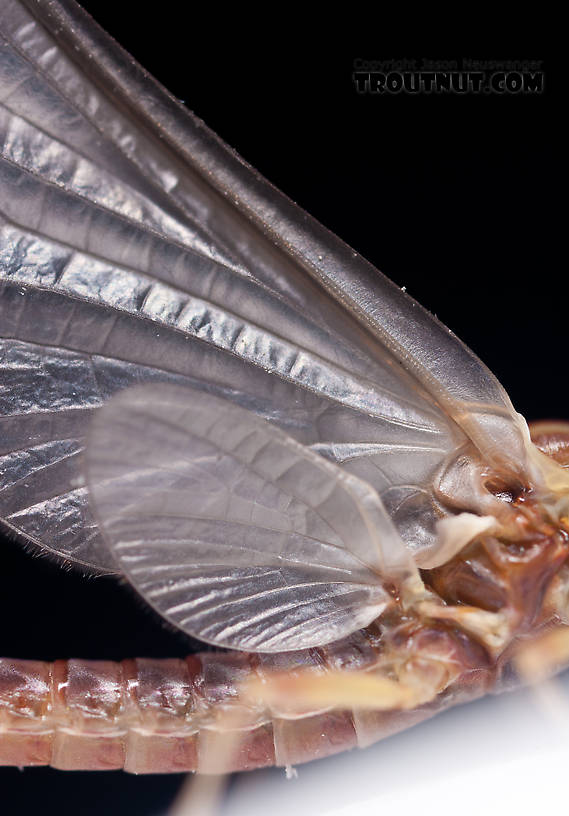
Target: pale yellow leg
298,693
336,690
537,662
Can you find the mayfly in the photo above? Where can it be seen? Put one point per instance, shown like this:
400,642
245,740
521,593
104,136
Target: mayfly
208,394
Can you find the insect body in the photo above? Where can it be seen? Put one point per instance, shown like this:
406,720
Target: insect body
161,715
312,471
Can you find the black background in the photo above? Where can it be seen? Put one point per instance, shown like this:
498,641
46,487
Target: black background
459,198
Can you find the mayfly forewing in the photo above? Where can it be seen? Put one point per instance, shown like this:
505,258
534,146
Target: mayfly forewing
436,358
103,224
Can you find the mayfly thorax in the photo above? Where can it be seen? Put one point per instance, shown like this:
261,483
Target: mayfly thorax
208,394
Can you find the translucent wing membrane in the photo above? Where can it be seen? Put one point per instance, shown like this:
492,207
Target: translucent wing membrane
234,531
136,247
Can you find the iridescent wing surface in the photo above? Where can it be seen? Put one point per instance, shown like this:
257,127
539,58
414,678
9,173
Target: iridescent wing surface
136,247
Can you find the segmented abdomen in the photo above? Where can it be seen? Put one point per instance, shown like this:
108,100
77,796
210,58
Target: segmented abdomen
152,716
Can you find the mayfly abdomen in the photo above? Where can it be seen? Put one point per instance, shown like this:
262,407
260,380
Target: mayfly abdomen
155,715
145,716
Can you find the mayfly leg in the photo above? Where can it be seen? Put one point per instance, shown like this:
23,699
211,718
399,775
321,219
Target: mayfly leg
537,663
203,792
367,691
199,794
